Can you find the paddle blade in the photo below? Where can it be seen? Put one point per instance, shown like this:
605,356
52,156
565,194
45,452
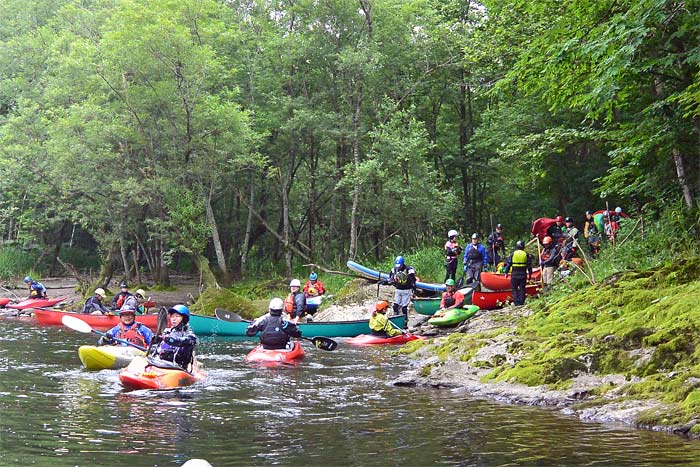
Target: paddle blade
76,324
324,343
224,315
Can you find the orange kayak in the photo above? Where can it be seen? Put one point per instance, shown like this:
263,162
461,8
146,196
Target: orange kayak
258,354
143,374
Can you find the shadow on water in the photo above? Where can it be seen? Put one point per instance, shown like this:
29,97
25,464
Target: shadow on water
335,408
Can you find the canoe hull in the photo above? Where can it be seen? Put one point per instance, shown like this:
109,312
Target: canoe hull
141,375
35,302
279,356
494,281
493,300
99,322
453,316
372,274
428,306
369,339
107,356
207,325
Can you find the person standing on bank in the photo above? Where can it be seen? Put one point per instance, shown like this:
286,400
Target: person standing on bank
403,278
519,266
476,258
497,246
452,252
549,261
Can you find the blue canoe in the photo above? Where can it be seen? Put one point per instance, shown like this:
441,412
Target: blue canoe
372,274
207,325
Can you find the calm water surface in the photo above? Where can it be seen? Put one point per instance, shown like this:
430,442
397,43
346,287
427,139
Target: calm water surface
335,409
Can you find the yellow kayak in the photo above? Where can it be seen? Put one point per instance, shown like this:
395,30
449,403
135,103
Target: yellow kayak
107,356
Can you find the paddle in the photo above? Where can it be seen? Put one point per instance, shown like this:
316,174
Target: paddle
162,324
79,325
323,343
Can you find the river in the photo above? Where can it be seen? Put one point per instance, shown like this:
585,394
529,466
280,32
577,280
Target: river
335,409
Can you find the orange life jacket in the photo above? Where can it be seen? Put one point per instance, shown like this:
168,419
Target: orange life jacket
289,303
132,334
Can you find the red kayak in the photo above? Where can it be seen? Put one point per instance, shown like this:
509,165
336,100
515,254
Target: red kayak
495,281
99,322
369,339
276,356
35,302
144,374
492,300
4,301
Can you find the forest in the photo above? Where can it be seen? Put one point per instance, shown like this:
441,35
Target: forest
251,136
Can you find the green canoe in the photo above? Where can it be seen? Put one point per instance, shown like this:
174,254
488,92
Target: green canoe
453,316
428,306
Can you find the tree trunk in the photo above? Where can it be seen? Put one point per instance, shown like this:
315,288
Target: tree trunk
355,210
248,232
137,270
125,259
220,258
163,270
688,196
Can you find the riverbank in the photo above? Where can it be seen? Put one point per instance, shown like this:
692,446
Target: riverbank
622,351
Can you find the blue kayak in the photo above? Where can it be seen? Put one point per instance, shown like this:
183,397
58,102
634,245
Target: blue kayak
376,275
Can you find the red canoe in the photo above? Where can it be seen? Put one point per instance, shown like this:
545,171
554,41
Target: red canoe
369,339
35,302
99,322
276,356
494,281
491,300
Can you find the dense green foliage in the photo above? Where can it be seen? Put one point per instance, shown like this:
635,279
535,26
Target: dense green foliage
256,136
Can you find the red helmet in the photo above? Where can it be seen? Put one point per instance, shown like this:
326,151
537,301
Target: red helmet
546,240
559,219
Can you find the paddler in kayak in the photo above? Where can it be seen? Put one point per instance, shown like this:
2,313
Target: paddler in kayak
295,303
119,299
313,287
275,331
379,324
36,288
129,330
451,298
94,306
177,343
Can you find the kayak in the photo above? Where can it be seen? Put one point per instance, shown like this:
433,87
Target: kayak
99,322
376,275
107,356
490,300
312,304
35,302
495,281
277,356
369,339
142,373
453,316
4,301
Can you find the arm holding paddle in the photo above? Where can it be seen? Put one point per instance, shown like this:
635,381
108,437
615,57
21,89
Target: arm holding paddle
79,325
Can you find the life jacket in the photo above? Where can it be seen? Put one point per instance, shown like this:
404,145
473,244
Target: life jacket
449,299
131,334
289,303
474,253
273,336
401,277
120,300
519,259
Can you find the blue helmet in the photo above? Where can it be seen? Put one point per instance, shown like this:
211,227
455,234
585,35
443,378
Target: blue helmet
27,279
313,276
180,309
399,261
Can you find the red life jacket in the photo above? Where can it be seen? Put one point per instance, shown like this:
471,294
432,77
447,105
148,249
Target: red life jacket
120,301
132,334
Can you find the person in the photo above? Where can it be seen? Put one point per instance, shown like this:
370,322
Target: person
275,331
129,330
451,298
556,230
177,343
519,266
476,258
497,246
36,288
379,324
313,287
616,215
452,252
295,303
591,233
403,278
134,301
549,261
569,230
118,299
94,305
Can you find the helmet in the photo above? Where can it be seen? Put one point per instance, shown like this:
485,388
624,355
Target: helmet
27,279
381,305
450,282
140,293
519,245
452,233
499,226
295,283
569,219
475,235
130,311
399,261
588,213
606,213
618,210
101,292
180,310
276,306
124,285
313,276
546,240
559,219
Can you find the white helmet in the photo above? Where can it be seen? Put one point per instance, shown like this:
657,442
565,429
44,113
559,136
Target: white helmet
618,210
276,304
100,291
452,233
140,292
295,283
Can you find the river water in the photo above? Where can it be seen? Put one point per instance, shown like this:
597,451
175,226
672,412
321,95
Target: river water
334,409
